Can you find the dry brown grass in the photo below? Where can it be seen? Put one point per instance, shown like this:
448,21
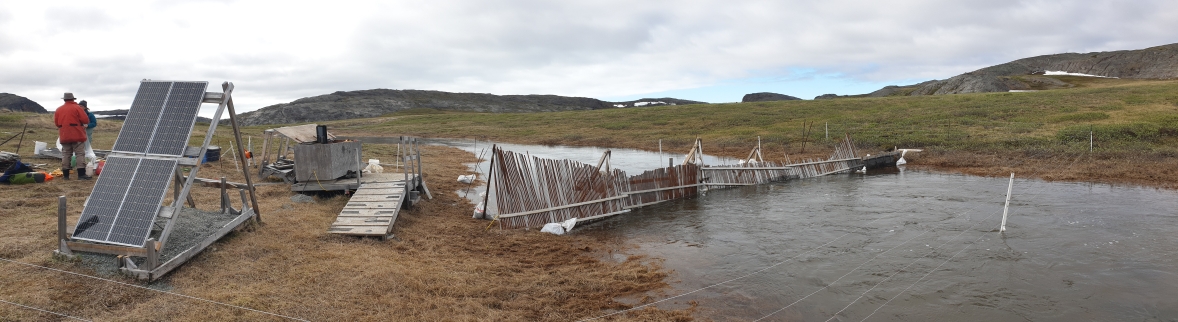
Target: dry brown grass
443,266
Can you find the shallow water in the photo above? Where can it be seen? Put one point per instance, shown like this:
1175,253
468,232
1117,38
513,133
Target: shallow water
814,247
904,246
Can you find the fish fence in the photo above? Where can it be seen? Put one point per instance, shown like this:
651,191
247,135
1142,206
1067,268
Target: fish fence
526,191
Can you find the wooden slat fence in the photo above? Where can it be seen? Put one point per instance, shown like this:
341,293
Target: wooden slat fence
527,191
659,185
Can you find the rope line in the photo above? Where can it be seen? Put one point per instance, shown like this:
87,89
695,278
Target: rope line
925,275
909,265
45,311
868,261
1036,194
1070,165
1078,156
754,272
154,290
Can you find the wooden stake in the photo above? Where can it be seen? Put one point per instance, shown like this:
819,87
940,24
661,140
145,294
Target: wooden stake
22,137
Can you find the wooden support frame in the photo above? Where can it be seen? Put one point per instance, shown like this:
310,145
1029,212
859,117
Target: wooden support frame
152,269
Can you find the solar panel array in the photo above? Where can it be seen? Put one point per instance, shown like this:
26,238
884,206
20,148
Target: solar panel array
125,201
160,119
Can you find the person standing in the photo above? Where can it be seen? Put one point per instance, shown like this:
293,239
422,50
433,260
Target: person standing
71,121
90,126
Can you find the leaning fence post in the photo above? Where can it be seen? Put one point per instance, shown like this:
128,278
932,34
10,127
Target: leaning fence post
1007,207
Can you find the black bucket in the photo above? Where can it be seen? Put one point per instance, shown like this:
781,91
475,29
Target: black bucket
321,134
212,154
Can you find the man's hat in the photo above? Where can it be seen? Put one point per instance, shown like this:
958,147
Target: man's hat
68,96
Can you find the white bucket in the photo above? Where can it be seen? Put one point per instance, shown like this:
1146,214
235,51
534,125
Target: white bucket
39,146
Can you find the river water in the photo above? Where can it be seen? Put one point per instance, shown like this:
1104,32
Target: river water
905,246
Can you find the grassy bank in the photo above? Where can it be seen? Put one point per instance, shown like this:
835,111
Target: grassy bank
1134,125
444,266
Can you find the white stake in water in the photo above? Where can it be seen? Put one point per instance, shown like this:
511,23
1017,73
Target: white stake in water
1007,207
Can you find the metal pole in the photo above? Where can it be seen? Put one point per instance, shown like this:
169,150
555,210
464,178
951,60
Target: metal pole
1089,140
827,131
1007,207
661,149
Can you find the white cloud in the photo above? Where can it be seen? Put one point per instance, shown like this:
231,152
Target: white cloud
276,52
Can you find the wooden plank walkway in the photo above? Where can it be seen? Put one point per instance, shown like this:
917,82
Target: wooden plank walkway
374,207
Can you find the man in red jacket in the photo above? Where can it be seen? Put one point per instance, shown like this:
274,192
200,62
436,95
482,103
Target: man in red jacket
71,121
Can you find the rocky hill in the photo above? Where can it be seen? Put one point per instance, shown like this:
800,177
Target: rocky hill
377,102
19,103
1159,62
766,96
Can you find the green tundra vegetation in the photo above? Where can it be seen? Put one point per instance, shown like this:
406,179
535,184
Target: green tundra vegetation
1123,117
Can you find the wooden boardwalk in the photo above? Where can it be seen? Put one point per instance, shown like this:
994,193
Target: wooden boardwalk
373,208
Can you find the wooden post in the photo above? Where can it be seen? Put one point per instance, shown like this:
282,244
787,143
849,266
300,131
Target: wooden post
1007,207
153,258
1090,140
828,131
670,162
237,136
490,175
22,137
225,197
61,234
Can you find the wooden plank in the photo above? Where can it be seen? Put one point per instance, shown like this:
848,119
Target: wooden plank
380,191
376,198
373,204
107,249
366,212
196,249
374,221
359,230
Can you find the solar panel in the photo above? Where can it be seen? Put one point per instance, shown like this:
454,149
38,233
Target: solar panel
142,117
161,118
125,201
100,210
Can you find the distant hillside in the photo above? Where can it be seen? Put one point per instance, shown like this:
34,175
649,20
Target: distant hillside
766,97
1159,62
377,102
19,103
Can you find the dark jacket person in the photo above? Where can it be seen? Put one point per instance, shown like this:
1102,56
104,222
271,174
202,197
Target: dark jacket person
71,121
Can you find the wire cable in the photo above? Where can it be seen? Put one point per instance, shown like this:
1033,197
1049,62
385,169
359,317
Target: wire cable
752,273
154,290
868,261
45,311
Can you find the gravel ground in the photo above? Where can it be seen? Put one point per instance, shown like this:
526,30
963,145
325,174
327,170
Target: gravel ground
192,227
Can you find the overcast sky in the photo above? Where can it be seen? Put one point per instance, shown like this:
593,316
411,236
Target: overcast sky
714,51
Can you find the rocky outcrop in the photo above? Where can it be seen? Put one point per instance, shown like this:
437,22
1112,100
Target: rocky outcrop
766,96
826,96
377,102
19,103
1159,62
655,102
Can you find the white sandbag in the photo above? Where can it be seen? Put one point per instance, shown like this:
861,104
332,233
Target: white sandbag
39,146
467,179
373,166
553,228
480,211
901,161
91,158
568,224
